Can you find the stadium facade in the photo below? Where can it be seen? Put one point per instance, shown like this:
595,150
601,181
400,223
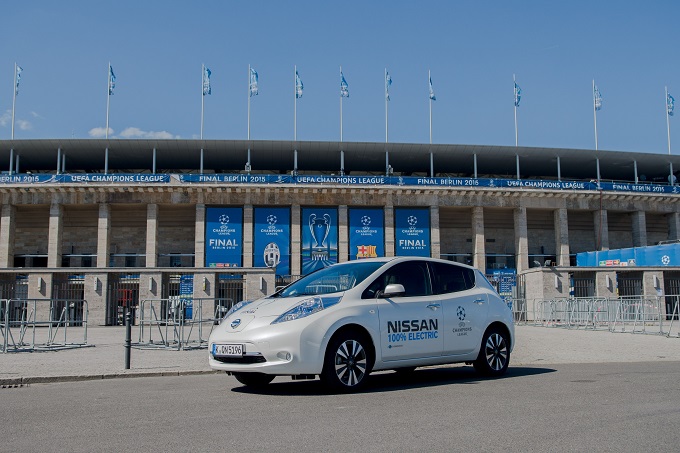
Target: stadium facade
114,222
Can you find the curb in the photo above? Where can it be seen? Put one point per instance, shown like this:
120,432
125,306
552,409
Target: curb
96,377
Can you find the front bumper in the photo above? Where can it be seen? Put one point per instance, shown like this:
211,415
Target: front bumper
279,350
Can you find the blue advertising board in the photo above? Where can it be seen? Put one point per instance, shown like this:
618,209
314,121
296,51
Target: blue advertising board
319,238
186,294
271,239
223,237
658,256
366,233
412,231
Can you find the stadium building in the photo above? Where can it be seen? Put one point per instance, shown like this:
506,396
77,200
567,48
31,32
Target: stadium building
114,222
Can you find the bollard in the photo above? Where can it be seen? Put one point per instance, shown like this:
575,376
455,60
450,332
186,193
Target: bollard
128,339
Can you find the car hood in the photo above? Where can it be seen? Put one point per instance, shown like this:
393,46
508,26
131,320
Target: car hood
264,310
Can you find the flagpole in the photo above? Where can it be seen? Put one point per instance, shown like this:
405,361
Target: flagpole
295,104
14,96
429,80
249,96
668,123
387,156
202,96
108,97
514,81
341,108
595,114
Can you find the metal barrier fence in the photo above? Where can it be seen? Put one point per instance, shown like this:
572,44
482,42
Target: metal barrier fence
643,314
43,324
179,323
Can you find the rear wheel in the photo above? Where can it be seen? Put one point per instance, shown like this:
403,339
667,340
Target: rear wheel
254,379
494,355
347,362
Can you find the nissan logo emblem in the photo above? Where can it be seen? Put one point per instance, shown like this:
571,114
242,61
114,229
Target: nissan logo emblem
235,323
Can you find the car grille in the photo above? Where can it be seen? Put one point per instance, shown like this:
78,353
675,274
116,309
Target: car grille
246,359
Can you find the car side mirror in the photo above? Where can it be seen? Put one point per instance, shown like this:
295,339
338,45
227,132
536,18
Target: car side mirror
393,289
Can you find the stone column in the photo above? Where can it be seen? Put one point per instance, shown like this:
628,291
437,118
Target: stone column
295,264
521,240
199,236
40,287
639,227
343,234
7,228
55,235
152,235
248,235
601,229
652,284
561,237
605,284
435,247
674,226
478,239
389,230
103,235
95,289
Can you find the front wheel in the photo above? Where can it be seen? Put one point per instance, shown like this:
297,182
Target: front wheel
254,380
347,362
494,355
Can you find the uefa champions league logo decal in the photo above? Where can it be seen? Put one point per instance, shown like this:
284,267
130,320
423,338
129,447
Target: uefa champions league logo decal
224,221
271,221
666,260
460,313
412,222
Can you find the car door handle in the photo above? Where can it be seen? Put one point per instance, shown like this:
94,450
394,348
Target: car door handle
479,301
433,306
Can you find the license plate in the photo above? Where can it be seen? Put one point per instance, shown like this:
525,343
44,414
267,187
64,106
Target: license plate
227,350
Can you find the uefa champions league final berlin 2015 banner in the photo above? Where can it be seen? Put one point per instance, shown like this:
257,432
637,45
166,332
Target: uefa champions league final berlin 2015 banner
319,238
412,231
366,233
223,237
271,241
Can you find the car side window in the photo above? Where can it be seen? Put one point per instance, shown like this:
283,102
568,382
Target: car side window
412,275
450,278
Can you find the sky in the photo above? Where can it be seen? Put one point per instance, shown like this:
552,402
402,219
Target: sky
555,49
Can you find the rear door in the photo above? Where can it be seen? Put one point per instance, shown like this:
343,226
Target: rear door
464,307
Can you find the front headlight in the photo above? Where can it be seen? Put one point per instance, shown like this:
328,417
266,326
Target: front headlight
306,308
235,308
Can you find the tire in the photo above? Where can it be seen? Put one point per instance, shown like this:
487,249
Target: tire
347,362
494,354
254,380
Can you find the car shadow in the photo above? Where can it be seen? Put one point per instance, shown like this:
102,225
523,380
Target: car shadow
388,381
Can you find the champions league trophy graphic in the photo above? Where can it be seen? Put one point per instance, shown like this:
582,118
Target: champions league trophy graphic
319,227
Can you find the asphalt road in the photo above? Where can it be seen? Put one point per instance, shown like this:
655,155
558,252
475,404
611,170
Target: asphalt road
571,407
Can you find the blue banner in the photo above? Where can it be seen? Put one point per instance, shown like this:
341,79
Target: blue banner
146,178
412,231
319,238
657,256
223,237
366,233
271,239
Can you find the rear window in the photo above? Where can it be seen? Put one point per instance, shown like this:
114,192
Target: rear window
450,278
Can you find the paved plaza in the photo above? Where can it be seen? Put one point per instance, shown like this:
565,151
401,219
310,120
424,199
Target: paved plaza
104,358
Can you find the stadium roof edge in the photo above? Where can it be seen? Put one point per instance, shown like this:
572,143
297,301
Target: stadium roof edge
278,155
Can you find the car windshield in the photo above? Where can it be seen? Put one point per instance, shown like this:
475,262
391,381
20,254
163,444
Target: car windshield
330,279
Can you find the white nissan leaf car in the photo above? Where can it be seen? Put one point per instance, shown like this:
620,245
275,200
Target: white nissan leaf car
344,321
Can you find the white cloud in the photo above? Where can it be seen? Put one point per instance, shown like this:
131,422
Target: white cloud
99,132
6,121
135,132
